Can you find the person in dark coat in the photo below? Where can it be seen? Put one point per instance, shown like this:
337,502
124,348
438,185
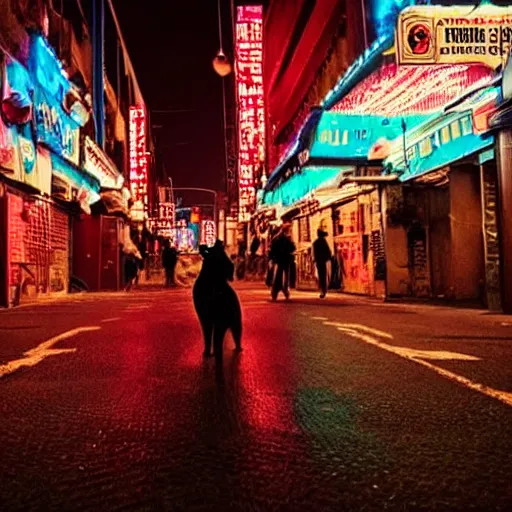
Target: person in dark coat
281,254
131,269
322,255
141,246
169,261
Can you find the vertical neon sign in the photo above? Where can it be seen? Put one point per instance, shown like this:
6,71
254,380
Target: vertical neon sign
208,234
251,113
138,160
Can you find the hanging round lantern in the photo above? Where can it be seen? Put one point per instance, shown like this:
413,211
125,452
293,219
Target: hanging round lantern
221,64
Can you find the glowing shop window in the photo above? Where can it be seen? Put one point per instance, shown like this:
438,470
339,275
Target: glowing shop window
455,129
426,147
467,126
344,140
411,153
304,233
445,135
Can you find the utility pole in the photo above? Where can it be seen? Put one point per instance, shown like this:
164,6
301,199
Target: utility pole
98,52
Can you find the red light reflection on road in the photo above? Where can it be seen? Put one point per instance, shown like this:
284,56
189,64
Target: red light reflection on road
268,383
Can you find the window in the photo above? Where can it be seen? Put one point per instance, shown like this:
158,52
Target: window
411,153
455,129
467,126
304,234
425,147
361,134
445,135
344,140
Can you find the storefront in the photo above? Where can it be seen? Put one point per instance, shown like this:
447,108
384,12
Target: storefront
97,238
34,229
44,185
435,218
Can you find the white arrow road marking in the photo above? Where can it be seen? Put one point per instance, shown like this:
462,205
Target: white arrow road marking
364,328
414,355
439,355
44,350
411,353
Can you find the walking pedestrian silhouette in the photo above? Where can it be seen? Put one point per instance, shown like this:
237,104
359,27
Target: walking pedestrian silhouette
216,303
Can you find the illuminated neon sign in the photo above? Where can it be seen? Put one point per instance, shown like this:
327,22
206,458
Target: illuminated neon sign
251,113
208,233
55,128
138,157
449,35
97,164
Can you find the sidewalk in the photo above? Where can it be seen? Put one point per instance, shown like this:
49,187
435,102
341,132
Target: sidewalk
261,290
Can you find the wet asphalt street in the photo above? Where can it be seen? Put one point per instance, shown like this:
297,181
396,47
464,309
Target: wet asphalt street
341,404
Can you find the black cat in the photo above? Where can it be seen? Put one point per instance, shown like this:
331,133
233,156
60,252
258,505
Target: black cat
216,303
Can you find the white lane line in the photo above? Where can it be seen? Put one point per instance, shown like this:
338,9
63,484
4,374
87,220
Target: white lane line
319,318
44,350
364,328
113,319
503,396
412,353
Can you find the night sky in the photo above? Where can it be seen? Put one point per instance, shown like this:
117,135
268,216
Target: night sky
172,45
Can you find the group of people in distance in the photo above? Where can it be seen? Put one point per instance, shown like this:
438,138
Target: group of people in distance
281,257
134,264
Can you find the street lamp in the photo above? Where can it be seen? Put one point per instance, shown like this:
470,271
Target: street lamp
221,64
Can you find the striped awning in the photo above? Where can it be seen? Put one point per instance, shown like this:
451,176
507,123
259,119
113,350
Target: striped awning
396,90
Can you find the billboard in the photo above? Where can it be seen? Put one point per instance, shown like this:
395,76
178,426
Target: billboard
454,35
251,113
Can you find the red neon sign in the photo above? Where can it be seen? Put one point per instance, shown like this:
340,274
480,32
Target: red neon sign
251,113
138,157
208,232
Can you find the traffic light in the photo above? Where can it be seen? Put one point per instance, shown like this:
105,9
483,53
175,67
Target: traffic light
195,216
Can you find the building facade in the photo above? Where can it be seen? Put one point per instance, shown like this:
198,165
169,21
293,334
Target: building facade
400,163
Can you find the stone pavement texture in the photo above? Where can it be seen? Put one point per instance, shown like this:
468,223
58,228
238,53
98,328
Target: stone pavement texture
308,417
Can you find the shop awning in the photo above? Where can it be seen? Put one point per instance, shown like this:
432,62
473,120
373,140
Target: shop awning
348,191
348,138
292,161
396,90
99,166
348,187
302,183
77,178
112,202
460,131
502,119
442,156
